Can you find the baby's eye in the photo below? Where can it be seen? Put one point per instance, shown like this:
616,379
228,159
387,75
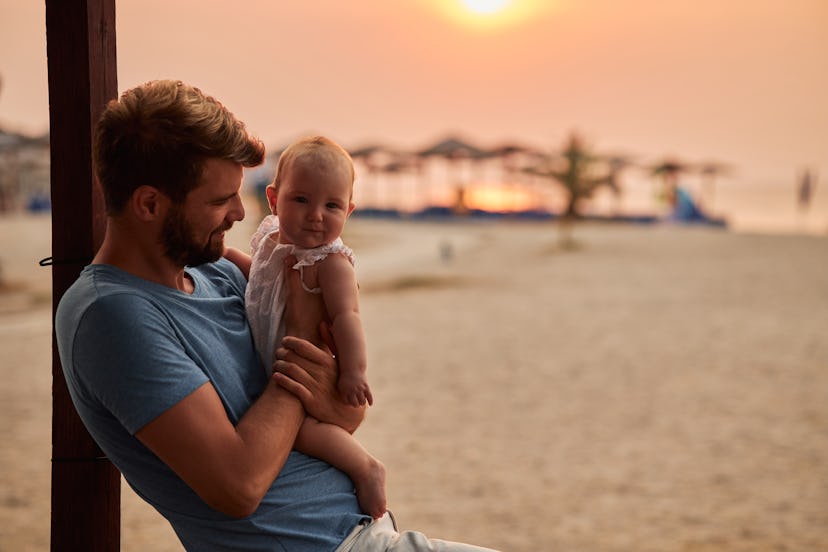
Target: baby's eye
300,199
332,205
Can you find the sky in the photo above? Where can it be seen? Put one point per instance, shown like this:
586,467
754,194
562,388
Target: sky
740,82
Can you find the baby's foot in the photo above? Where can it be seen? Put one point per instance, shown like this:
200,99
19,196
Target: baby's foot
370,488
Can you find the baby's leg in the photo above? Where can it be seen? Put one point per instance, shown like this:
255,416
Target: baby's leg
340,449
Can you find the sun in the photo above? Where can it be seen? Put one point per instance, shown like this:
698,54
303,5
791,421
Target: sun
492,15
486,6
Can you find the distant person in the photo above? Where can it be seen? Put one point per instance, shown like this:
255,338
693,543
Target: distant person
160,362
310,199
806,190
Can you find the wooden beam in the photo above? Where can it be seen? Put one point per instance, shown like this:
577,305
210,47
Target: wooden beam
80,37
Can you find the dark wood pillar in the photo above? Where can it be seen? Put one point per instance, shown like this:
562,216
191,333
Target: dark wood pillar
80,36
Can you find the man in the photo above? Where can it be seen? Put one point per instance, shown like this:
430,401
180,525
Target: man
158,355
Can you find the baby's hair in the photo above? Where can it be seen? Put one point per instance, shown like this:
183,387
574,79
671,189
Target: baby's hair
315,150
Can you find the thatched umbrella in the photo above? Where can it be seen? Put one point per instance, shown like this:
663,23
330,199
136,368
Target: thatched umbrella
379,160
709,171
453,148
615,165
509,153
512,155
669,170
455,151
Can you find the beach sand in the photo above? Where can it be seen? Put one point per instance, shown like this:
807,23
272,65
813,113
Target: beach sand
655,388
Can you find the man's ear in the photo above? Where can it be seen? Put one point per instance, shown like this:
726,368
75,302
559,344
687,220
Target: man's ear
147,203
271,194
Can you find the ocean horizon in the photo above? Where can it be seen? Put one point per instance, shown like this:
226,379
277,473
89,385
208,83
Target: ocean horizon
745,207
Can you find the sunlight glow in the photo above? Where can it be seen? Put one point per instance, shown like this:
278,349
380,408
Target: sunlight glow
492,14
486,6
499,198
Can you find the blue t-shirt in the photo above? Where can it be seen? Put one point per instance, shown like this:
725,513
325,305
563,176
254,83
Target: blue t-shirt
131,349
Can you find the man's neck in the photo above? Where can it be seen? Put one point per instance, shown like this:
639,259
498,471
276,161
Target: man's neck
140,255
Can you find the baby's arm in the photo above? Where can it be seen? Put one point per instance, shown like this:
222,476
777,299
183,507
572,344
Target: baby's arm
239,258
337,279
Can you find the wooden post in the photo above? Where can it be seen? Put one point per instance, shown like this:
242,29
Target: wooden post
80,35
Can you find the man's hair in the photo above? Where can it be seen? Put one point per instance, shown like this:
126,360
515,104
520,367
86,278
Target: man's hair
313,150
160,134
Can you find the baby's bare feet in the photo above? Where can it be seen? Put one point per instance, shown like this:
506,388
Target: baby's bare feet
370,488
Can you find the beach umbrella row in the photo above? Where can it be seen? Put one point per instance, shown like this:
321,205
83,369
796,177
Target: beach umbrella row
561,166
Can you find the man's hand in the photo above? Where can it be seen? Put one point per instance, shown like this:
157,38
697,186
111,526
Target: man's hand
310,374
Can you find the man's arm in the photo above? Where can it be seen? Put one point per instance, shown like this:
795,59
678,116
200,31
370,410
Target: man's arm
230,468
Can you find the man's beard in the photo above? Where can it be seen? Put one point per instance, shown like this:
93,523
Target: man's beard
179,246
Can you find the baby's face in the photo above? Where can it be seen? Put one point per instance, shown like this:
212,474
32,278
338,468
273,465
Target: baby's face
313,203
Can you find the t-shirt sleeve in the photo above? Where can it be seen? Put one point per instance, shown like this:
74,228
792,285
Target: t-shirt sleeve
130,359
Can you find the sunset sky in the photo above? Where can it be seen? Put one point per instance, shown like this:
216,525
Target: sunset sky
742,82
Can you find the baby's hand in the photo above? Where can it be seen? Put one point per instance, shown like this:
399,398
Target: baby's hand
354,389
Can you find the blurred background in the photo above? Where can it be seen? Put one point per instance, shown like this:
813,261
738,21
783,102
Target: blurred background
725,99
649,375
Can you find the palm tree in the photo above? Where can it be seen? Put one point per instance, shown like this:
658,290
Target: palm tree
577,177
572,176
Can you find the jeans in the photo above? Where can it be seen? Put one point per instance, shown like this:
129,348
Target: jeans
381,535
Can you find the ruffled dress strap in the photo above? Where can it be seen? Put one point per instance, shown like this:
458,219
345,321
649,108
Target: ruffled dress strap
309,257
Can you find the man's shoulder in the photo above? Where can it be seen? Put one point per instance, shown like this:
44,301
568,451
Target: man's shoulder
222,274
101,283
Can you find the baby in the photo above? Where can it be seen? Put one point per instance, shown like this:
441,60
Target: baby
310,199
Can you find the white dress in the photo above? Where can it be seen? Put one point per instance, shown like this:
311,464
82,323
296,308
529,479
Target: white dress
265,297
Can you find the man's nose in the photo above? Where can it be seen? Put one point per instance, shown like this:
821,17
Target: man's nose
237,211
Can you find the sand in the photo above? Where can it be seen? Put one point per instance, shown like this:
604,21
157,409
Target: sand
655,388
